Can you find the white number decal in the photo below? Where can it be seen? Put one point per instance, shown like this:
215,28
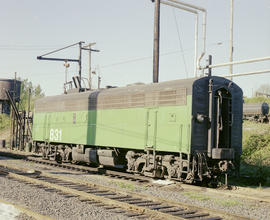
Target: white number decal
56,134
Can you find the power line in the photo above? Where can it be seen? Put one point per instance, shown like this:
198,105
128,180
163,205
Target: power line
140,58
28,47
150,57
180,42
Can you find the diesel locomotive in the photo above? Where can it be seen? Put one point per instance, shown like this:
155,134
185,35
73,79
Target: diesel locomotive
190,129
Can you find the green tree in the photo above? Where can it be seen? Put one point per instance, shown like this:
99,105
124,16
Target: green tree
264,88
35,93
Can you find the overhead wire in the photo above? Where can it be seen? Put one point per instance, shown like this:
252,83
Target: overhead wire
180,42
135,59
150,57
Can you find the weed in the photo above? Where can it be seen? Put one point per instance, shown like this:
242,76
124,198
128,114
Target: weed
201,197
197,196
4,121
123,185
257,99
227,202
256,153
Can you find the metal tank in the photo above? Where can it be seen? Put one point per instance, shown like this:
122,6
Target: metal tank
265,108
14,87
252,109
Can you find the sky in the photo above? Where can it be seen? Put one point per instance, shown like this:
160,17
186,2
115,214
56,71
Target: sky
123,32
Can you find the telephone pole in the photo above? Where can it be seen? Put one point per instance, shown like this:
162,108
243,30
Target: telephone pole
156,41
231,40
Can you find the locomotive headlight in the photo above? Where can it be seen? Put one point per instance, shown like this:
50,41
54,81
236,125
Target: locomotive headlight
200,118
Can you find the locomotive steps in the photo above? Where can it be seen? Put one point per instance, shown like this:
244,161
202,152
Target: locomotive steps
129,203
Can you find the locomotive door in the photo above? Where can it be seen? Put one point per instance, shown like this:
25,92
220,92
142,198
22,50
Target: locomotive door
151,128
45,128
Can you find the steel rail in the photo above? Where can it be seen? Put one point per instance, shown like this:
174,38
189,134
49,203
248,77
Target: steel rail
62,183
107,172
129,177
89,196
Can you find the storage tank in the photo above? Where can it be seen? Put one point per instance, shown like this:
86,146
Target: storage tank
265,108
14,87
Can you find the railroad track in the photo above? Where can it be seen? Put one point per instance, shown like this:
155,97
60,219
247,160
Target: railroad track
121,175
115,200
76,167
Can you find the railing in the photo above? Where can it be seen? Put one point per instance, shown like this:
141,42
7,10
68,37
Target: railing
241,62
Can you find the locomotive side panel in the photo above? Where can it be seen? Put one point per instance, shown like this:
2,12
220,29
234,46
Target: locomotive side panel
131,118
166,128
61,127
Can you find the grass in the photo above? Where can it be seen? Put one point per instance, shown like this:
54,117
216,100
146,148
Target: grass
256,154
254,128
202,197
227,202
123,185
257,99
197,196
4,122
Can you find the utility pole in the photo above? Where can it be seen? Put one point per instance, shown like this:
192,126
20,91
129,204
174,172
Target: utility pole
156,41
89,48
80,61
66,65
99,82
231,40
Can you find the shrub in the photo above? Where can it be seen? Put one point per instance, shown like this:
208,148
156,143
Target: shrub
256,158
4,121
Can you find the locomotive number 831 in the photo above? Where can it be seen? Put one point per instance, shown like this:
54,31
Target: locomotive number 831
190,130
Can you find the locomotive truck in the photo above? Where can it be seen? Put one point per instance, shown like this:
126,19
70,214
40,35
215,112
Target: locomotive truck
190,129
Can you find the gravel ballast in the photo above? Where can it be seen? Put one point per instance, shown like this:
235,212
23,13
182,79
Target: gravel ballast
50,204
60,207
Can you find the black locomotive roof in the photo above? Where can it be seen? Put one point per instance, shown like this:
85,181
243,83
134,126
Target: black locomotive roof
154,94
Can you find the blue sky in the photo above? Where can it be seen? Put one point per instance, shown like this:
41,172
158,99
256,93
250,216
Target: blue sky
123,30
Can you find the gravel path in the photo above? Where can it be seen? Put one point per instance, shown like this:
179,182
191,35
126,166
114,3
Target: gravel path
244,207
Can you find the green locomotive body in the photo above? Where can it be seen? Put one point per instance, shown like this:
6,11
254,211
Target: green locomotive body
162,129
